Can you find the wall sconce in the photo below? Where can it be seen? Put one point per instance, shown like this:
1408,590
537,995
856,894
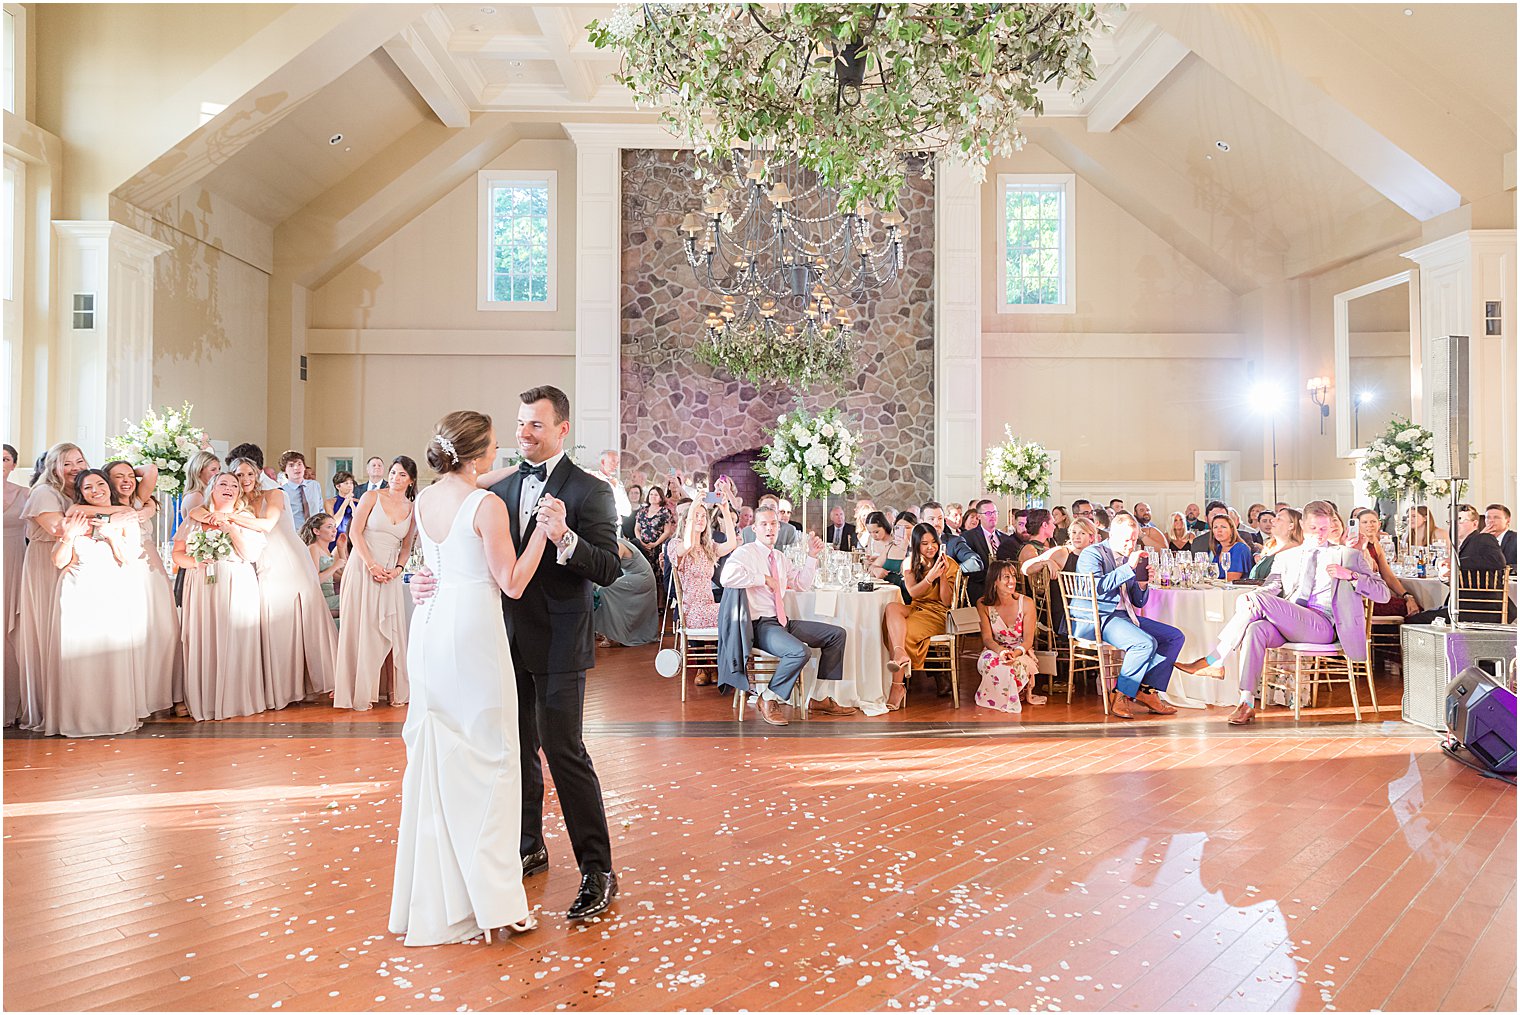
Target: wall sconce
1319,391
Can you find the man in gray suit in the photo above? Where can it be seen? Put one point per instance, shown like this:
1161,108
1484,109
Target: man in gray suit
1314,594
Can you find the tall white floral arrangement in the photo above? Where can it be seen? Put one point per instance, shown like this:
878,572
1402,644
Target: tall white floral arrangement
167,441
1017,468
813,456
1400,464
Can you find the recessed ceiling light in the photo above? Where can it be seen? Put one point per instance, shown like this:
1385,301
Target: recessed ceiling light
517,63
1408,12
488,10
347,148
1223,146
1209,157
335,139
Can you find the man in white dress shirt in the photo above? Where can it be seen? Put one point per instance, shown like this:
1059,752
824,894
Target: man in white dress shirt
609,475
375,468
765,574
304,495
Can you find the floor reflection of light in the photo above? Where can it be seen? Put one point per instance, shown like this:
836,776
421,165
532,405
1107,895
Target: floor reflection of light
1406,797
193,798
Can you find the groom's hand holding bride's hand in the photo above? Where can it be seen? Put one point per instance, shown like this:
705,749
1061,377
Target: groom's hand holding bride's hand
551,517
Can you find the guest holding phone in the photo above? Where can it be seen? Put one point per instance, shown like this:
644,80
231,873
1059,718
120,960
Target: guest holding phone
929,579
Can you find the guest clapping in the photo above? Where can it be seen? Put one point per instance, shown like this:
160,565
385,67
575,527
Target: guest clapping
342,507
1007,663
219,628
929,579
372,641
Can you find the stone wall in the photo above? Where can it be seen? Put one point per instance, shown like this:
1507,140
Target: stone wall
679,413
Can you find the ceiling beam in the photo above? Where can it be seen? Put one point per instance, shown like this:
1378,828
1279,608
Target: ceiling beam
1244,54
1149,55
561,35
328,56
415,56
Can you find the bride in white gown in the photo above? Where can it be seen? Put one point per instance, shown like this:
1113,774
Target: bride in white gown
458,868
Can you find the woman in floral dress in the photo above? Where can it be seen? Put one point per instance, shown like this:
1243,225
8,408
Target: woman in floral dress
1008,663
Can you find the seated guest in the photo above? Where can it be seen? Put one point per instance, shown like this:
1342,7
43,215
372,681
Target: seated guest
841,533
863,508
318,533
1007,663
1478,554
1060,558
930,513
784,512
1314,594
1367,536
954,512
1115,506
929,579
1194,522
627,612
1497,520
988,544
1101,516
878,537
1178,535
971,518
1017,528
1287,532
697,558
1201,542
303,495
765,575
785,536
1082,508
1422,529
1121,571
1041,530
1063,522
1150,536
1231,555
1254,522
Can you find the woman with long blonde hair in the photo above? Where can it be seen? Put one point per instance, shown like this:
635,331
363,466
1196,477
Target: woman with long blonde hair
38,645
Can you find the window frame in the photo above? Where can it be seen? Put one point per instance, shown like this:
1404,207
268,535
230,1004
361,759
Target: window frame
1068,182
486,181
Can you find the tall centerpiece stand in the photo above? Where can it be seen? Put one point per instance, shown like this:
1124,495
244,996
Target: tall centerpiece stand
1399,465
1017,469
813,456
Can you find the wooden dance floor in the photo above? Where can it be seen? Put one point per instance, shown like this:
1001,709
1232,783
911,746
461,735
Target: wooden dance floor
959,860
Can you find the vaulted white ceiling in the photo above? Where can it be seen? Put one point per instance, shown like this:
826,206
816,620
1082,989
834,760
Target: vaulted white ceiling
1347,125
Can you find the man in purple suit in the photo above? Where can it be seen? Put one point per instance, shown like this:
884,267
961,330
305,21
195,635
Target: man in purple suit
1314,594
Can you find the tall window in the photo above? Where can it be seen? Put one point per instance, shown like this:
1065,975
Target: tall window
1035,270
1214,481
12,66
517,242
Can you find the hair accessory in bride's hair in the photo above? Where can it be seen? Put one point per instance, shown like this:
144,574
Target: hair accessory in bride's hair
448,447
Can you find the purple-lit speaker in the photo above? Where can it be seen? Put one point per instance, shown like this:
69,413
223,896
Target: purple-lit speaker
1481,717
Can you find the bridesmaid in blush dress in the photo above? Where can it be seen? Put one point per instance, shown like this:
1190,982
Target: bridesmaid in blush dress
37,642
224,663
372,641
15,554
164,670
101,634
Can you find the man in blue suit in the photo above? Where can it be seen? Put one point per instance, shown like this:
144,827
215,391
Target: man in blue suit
1122,574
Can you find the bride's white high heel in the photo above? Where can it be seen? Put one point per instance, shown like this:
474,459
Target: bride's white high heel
521,927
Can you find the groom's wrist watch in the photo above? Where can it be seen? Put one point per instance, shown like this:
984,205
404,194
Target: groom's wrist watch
566,541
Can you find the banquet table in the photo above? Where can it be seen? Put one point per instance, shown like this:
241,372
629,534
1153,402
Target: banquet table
1200,614
1428,592
865,680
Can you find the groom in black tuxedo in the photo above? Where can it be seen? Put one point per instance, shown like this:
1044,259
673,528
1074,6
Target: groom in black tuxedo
549,630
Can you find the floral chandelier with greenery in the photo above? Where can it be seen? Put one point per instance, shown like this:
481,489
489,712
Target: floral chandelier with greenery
851,89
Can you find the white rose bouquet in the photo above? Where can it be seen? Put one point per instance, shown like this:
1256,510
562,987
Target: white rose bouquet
166,441
1400,463
1017,468
813,456
207,547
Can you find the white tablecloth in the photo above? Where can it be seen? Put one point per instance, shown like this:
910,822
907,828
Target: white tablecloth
1428,592
1200,614
866,679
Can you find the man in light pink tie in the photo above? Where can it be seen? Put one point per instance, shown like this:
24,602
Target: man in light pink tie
765,574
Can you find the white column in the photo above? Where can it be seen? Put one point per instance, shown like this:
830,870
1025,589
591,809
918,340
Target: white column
1459,276
598,290
105,370
957,333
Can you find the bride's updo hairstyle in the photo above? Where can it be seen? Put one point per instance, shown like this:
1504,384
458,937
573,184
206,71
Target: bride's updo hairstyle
458,437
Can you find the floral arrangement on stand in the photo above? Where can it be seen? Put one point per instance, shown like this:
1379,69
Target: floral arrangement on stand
1017,468
207,546
851,88
1400,464
164,441
813,456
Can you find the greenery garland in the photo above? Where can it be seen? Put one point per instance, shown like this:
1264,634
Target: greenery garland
792,361
852,88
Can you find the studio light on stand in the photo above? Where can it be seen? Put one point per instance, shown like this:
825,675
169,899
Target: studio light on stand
1319,394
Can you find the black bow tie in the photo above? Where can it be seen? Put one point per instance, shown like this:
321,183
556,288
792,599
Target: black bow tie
529,469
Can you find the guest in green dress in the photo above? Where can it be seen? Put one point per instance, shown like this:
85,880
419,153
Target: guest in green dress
320,532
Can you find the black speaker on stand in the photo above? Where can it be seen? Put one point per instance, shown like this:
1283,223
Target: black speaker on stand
1480,716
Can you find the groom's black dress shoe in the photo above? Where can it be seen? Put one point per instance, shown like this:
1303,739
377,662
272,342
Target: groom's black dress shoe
596,894
536,861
